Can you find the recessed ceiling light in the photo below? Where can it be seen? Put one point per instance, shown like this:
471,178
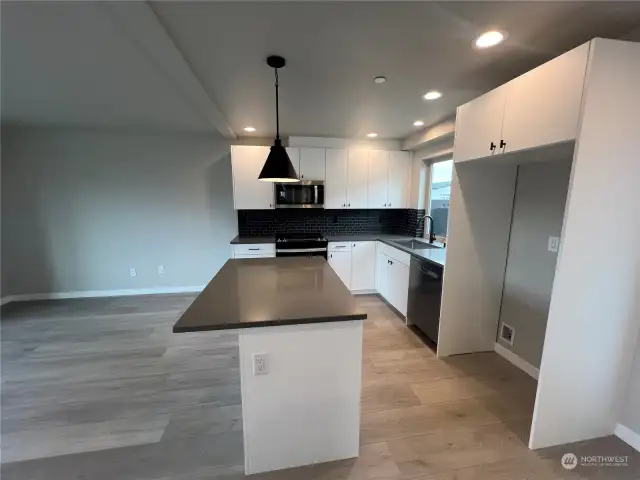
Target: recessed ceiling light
372,135
418,123
379,80
490,39
249,129
432,95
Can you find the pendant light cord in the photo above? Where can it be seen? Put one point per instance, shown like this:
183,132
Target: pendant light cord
277,108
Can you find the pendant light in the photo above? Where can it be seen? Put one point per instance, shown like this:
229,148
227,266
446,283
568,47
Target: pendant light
278,167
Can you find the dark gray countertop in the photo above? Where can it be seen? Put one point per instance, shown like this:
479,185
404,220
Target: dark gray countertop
434,255
270,291
238,240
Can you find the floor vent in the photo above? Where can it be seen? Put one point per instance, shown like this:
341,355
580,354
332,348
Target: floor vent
507,333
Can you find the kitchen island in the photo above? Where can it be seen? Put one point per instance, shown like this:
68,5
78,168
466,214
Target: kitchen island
300,349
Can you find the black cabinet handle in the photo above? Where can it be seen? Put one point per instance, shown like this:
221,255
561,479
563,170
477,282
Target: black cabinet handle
502,143
331,256
492,146
348,204
302,176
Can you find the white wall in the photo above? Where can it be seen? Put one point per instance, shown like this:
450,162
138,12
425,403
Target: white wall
630,417
538,211
592,329
80,207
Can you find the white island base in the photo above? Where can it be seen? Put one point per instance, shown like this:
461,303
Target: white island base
306,408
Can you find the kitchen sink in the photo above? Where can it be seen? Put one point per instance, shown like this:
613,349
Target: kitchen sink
414,244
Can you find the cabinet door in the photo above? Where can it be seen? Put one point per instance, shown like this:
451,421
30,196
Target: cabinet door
341,263
249,193
378,179
382,273
363,265
335,185
543,106
312,164
478,124
357,173
399,179
399,286
294,156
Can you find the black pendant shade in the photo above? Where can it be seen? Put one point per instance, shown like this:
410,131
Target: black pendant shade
278,167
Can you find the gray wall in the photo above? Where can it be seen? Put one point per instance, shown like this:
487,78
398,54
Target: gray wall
541,192
80,207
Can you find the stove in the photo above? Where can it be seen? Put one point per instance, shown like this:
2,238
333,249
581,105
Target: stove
301,245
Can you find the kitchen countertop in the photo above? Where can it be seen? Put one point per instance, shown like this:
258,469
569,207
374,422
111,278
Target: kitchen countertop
434,255
264,292
238,240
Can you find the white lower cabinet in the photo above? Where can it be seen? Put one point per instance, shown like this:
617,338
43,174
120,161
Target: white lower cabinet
340,261
363,266
392,277
398,286
263,255
255,250
367,266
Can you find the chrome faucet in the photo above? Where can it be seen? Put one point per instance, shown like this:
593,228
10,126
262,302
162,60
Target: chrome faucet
432,236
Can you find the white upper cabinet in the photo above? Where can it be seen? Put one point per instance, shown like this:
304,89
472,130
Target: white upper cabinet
312,164
539,108
294,156
249,193
363,266
543,105
399,180
357,176
335,187
479,126
378,182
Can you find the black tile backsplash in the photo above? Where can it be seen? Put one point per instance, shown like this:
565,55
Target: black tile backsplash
329,222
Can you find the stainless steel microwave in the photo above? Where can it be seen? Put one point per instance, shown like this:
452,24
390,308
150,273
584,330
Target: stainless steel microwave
304,194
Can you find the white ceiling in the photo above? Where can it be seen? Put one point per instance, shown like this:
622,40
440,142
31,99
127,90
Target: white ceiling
71,63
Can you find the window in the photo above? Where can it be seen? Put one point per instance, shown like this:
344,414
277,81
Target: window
439,194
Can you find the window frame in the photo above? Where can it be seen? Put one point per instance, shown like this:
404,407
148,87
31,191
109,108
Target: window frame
425,231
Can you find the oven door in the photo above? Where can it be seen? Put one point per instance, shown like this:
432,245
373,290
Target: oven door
305,194
301,252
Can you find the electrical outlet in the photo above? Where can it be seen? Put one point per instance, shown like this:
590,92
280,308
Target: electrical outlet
554,244
132,272
507,333
161,269
260,366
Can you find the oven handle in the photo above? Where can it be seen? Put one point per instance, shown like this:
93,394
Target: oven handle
300,250
315,194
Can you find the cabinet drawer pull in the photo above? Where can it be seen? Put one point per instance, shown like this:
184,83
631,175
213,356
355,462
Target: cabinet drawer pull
254,249
502,144
492,146
339,246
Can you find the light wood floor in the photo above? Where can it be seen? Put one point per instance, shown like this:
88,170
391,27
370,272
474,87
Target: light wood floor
101,389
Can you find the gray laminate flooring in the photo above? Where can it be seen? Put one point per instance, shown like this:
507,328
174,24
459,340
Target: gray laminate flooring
101,389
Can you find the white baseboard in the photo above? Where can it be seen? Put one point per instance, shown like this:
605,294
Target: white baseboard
628,436
100,293
517,361
363,292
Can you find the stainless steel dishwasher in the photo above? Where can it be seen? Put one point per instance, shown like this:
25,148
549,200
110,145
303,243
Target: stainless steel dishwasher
425,292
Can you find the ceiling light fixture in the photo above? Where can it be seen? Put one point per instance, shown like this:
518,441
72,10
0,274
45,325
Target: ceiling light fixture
379,80
432,95
372,135
418,123
490,39
278,166
249,129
